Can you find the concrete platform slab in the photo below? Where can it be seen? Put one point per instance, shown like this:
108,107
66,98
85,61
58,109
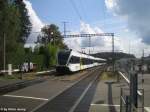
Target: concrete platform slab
107,97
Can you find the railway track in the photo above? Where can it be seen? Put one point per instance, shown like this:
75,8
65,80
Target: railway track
77,98
20,85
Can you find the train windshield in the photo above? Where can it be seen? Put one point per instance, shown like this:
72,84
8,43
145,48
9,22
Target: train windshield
63,57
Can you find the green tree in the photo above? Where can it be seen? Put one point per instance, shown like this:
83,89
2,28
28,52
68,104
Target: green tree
52,35
25,21
52,41
3,5
11,27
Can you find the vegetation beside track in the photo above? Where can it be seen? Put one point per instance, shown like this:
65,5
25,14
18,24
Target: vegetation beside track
9,77
19,76
108,76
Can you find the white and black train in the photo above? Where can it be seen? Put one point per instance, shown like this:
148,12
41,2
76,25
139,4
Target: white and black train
71,61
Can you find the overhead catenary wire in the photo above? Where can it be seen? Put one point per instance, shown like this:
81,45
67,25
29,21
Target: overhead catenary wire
83,9
75,8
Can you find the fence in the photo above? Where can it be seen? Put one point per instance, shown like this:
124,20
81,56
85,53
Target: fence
131,98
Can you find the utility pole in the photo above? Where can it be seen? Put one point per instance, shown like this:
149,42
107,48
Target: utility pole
51,36
113,56
142,67
4,53
112,43
133,87
143,53
129,46
64,23
89,44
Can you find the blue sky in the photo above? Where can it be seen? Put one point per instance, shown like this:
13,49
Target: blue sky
122,17
92,12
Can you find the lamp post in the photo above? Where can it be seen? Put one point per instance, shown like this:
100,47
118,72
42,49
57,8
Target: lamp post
52,37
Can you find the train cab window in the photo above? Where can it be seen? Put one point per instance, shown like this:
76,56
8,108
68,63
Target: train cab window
74,60
63,57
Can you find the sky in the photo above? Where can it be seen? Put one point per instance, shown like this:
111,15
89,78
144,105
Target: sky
127,19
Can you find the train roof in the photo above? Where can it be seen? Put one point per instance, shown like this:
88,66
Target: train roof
78,54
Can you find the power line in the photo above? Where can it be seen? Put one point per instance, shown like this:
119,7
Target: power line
83,9
75,8
93,35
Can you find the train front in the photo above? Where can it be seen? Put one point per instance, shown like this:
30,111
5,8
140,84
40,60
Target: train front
62,61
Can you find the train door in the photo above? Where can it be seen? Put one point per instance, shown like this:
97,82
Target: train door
81,63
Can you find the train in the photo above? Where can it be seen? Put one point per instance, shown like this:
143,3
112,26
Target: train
73,61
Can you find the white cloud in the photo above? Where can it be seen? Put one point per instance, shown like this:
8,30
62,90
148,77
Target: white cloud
110,4
37,24
73,43
95,41
99,44
137,16
104,44
136,13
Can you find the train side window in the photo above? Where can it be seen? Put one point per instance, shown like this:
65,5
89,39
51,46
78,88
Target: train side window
74,60
102,61
86,61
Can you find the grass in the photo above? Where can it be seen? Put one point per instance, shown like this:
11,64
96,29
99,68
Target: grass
9,77
17,76
108,76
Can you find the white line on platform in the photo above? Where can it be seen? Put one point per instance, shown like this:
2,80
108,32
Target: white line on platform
105,105
147,109
26,97
45,71
80,98
82,95
60,92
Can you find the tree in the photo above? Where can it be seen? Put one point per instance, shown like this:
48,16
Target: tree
3,4
51,34
25,21
11,27
52,41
